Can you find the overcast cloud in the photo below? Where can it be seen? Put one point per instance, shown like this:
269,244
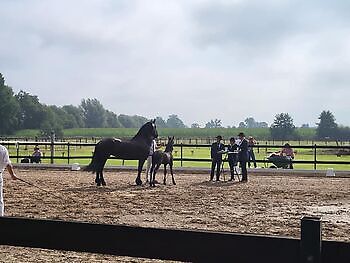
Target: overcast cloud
198,59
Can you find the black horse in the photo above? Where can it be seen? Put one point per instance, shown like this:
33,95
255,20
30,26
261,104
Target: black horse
160,157
136,149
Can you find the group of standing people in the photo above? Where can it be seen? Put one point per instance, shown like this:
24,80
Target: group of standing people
237,151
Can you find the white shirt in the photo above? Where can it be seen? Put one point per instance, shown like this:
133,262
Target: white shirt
4,158
153,147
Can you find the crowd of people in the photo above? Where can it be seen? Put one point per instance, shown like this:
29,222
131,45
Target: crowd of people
241,151
237,152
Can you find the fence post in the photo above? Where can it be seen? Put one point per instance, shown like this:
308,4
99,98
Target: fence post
315,156
68,151
52,146
181,153
17,150
311,240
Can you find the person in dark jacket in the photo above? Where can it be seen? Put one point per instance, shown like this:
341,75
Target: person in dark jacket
243,156
217,148
232,157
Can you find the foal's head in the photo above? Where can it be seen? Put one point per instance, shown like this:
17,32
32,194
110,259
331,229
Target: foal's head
170,145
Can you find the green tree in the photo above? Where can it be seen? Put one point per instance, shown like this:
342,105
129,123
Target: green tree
76,118
94,113
9,109
213,124
112,120
160,122
327,127
126,121
283,127
139,121
195,125
31,113
53,122
175,122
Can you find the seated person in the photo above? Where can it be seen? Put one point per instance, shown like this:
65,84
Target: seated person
36,156
287,152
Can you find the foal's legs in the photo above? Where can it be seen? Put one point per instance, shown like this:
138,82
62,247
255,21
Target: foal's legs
153,179
138,180
164,180
151,176
172,174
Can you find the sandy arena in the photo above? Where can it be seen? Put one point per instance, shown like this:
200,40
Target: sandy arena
265,205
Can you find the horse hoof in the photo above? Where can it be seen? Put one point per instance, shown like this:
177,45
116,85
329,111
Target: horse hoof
103,183
98,184
174,183
138,182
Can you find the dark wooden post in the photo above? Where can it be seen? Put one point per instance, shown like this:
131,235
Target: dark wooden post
181,153
68,151
315,156
52,146
311,240
17,150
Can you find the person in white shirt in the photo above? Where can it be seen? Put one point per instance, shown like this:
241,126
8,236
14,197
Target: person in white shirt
149,159
4,163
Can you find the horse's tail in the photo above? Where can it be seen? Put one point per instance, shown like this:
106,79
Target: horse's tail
92,166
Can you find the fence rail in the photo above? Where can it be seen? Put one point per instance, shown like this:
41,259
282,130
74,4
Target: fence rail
181,146
171,244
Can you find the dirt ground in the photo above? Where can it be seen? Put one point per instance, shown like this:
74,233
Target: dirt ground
264,205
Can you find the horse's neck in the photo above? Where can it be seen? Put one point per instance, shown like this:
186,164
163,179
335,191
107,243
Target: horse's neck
168,149
140,138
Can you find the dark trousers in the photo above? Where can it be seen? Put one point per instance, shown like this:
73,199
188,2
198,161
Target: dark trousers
217,163
243,165
251,158
232,163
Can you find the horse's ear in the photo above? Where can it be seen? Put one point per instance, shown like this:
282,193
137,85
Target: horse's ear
172,138
154,120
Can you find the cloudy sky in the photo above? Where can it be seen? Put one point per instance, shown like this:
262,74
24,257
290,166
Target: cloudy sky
198,59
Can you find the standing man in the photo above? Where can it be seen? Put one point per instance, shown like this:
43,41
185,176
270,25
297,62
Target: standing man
4,163
243,156
217,148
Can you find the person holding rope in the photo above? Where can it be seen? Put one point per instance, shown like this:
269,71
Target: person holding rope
4,163
217,148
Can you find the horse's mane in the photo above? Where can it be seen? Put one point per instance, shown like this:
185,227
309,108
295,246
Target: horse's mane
141,132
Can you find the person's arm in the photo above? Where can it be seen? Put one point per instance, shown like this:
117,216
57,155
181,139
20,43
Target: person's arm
11,171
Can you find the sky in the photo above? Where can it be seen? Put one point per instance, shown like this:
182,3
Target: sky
198,59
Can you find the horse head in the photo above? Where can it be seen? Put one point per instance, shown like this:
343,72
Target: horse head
147,131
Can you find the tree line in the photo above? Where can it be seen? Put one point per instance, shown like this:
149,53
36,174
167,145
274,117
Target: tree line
24,111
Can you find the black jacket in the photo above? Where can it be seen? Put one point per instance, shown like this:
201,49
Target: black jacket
214,151
232,148
243,150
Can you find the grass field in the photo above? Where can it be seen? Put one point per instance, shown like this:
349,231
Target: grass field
188,152
258,133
